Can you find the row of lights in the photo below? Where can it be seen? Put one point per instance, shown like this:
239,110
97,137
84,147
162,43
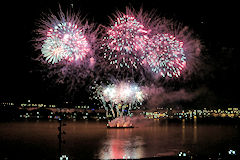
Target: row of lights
183,154
180,154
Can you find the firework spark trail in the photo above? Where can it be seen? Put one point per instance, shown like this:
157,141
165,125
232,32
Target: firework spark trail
119,97
97,94
123,92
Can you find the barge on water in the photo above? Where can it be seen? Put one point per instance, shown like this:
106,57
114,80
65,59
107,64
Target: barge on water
119,127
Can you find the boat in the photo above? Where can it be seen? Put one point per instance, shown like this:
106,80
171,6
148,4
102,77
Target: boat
119,127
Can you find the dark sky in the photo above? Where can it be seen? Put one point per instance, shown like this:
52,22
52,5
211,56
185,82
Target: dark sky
216,24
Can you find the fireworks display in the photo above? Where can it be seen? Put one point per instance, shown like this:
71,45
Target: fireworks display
135,44
125,42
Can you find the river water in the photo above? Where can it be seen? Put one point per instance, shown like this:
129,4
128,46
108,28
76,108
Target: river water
88,140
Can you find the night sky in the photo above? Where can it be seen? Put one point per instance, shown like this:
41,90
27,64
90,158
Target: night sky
216,25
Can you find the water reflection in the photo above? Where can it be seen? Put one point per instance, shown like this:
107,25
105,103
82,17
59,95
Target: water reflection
88,140
195,131
183,131
121,143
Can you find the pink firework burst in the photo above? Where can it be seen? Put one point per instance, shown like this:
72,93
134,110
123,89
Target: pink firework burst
64,38
166,55
173,50
125,41
73,45
67,47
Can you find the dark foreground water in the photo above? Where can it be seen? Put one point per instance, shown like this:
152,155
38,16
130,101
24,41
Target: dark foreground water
87,140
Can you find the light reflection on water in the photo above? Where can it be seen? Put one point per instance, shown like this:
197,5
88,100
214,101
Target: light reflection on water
120,143
87,140
153,140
